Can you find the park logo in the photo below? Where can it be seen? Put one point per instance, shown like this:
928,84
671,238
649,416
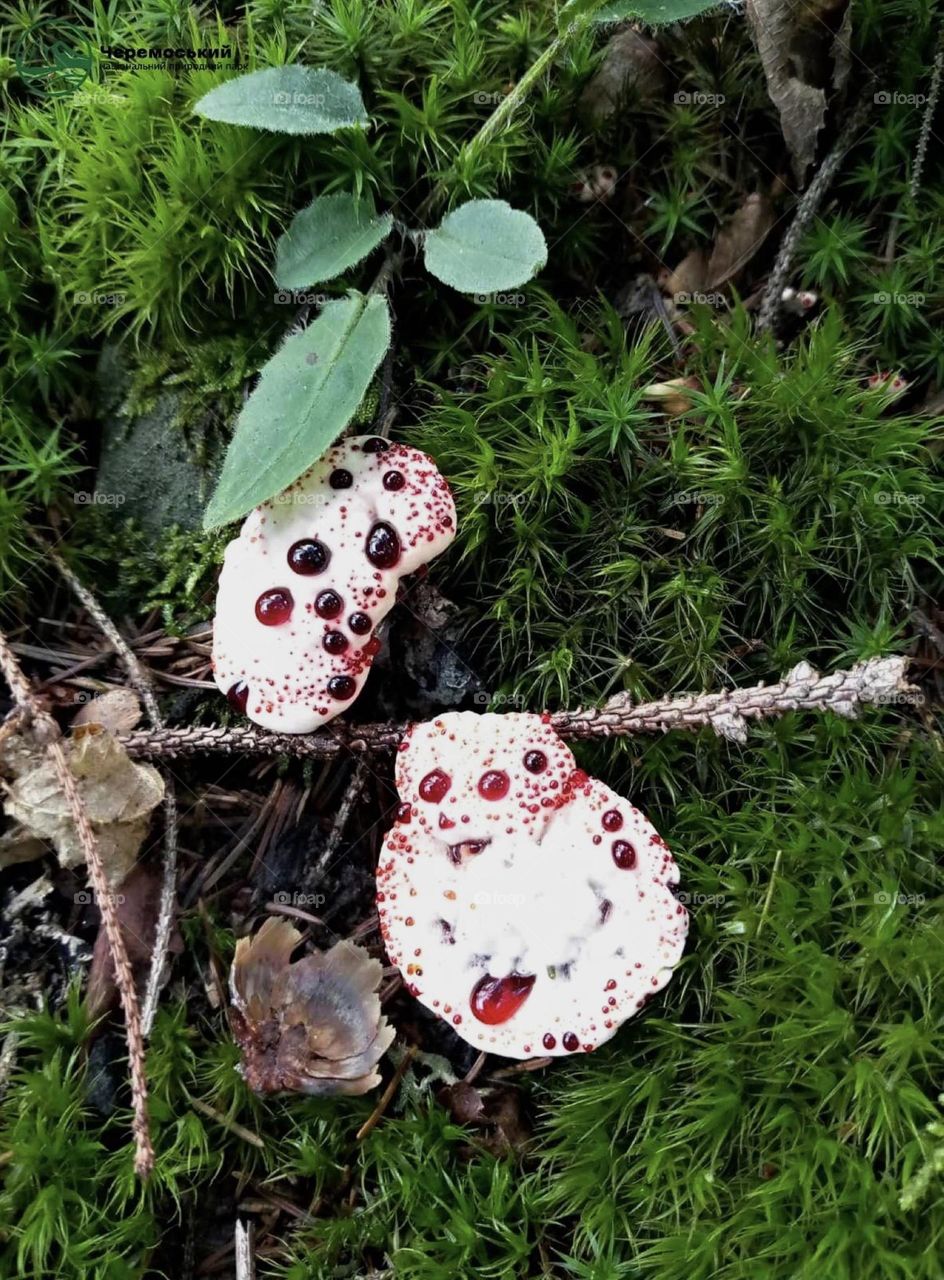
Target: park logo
52,57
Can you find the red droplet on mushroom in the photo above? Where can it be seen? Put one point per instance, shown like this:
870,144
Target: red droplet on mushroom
495,1000
274,607
340,478
308,556
334,642
445,823
570,1042
372,647
328,604
535,761
612,820
238,695
375,445
549,1041
434,786
624,855
382,547
394,480
359,623
404,813
494,784
342,687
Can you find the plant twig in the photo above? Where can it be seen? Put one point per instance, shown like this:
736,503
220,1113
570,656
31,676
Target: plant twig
47,731
142,685
934,93
806,211
875,681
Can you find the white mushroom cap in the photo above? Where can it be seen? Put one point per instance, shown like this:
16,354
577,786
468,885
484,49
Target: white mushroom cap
542,920
314,571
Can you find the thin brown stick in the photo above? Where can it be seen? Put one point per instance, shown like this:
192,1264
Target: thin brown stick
876,681
48,732
806,211
142,685
387,1096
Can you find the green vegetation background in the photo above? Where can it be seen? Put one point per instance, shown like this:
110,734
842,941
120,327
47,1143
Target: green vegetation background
764,1116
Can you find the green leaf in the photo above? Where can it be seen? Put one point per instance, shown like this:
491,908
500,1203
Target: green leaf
307,394
485,245
327,237
654,12
290,99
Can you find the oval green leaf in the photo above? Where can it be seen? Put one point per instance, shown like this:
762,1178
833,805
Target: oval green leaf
307,394
657,13
291,99
325,238
485,245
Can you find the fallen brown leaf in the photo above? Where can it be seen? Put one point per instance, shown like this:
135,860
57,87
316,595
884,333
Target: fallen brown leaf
118,794
804,48
739,239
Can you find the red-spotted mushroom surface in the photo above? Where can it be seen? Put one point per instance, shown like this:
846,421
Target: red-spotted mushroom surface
313,572
524,902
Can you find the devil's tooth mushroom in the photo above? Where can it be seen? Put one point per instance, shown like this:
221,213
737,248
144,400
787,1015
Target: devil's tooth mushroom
533,931
314,571
470,777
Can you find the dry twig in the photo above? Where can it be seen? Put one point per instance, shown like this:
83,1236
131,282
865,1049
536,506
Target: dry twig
141,683
876,681
47,732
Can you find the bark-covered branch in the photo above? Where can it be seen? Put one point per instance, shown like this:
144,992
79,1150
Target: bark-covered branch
876,681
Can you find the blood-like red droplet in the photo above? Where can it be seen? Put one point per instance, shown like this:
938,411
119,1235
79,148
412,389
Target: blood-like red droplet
342,687
624,855
495,1000
434,786
309,556
571,1043
382,547
494,784
340,478
359,623
404,813
375,445
612,820
549,1041
335,642
535,761
328,604
238,695
274,607
394,480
